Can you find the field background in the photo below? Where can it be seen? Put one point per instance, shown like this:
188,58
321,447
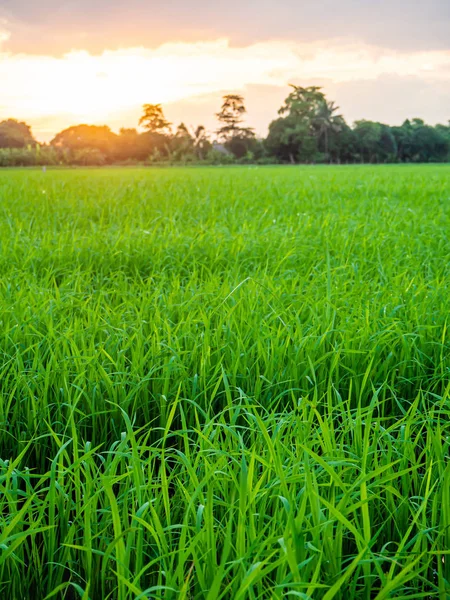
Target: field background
225,383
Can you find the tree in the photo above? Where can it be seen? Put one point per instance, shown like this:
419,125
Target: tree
182,144
202,144
326,122
403,137
375,142
189,144
133,146
341,142
303,102
291,140
15,134
154,146
444,132
307,120
231,116
87,137
153,119
237,139
127,145
428,144
418,142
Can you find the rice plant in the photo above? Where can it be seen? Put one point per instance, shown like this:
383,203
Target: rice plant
225,383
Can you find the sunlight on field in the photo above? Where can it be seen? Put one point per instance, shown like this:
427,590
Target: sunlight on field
227,383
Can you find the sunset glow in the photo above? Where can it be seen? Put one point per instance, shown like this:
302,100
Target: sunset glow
105,81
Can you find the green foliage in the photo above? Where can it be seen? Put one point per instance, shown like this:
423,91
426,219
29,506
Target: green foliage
292,140
243,145
303,135
304,103
225,383
308,130
375,142
29,157
418,142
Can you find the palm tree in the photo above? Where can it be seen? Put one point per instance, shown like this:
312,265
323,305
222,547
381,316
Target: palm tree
326,121
201,141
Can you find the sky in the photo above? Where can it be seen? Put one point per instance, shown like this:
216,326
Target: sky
97,61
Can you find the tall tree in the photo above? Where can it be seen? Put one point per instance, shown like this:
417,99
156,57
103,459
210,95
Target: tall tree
303,130
294,136
231,116
236,138
303,103
153,119
326,121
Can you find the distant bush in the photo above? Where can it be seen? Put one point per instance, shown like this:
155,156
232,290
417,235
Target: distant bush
89,157
29,157
217,157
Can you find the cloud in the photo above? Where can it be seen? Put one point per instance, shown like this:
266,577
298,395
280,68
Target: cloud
105,87
56,26
4,33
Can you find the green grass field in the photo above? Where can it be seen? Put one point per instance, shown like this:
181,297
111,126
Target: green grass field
225,383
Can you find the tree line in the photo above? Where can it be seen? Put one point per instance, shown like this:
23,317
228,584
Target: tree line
308,129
